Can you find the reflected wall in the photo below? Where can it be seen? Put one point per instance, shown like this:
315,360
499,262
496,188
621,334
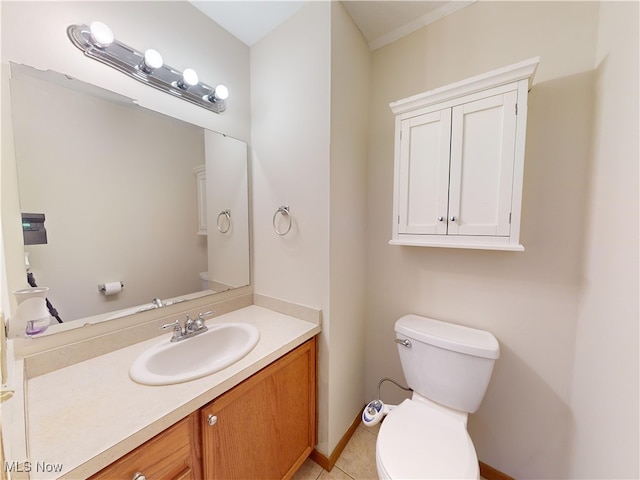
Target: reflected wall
118,188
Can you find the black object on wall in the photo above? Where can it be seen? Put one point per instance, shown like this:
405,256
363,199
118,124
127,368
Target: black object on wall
33,230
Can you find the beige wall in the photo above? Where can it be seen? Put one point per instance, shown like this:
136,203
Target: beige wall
290,90
227,189
309,122
604,399
350,65
531,301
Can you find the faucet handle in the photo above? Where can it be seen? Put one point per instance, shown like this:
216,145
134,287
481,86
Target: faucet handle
174,325
177,330
200,321
202,316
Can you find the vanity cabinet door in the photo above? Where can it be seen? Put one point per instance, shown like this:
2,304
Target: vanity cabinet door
171,455
266,426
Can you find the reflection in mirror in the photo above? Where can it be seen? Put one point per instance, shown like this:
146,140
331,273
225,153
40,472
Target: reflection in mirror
126,198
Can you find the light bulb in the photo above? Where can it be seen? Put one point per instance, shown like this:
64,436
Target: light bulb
221,92
151,61
189,78
102,35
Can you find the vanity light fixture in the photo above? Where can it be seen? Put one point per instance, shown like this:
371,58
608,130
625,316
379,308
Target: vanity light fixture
98,42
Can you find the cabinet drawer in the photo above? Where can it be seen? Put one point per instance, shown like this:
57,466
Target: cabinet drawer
171,455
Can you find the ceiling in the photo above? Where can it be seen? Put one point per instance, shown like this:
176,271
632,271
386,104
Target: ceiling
380,21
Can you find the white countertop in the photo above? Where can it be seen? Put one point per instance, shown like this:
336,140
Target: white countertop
83,417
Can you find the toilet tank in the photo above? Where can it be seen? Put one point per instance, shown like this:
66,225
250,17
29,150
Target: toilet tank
447,363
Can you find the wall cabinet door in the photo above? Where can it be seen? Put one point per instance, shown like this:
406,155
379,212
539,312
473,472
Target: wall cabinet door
424,173
482,161
266,426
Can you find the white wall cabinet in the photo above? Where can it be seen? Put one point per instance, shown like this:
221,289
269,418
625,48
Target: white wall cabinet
459,162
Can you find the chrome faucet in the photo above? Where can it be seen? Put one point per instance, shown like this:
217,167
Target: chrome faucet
191,327
157,303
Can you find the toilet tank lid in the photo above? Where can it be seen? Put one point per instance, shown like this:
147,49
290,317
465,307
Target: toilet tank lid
449,336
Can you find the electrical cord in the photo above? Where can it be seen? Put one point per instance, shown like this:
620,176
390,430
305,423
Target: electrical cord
54,313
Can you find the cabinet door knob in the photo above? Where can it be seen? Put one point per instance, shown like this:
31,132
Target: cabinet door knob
440,219
138,476
453,219
212,419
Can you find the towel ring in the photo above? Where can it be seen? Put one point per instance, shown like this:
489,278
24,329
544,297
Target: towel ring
226,213
284,211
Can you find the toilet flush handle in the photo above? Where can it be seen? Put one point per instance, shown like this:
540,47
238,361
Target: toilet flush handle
404,343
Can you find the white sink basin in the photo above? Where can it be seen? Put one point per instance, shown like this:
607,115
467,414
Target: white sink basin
175,362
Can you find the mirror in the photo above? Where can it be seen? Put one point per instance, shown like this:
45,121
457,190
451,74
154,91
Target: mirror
128,195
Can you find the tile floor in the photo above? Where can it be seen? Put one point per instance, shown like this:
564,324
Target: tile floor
357,462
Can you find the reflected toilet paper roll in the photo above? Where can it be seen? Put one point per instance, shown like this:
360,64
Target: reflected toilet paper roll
111,288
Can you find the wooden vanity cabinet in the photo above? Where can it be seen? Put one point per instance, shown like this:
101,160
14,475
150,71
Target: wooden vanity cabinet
171,455
266,426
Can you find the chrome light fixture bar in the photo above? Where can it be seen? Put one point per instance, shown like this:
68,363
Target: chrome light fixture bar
97,42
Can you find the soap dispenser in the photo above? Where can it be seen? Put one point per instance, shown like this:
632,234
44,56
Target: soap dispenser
32,315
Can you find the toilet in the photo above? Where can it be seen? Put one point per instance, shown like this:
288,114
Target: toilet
448,367
204,280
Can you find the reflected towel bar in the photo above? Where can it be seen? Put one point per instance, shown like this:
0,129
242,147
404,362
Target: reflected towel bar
284,211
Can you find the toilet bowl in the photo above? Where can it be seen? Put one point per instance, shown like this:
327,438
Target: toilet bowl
418,442
448,367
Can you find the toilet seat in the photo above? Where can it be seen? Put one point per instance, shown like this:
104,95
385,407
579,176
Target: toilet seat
416,441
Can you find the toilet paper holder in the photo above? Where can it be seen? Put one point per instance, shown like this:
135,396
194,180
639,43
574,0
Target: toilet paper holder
102,287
